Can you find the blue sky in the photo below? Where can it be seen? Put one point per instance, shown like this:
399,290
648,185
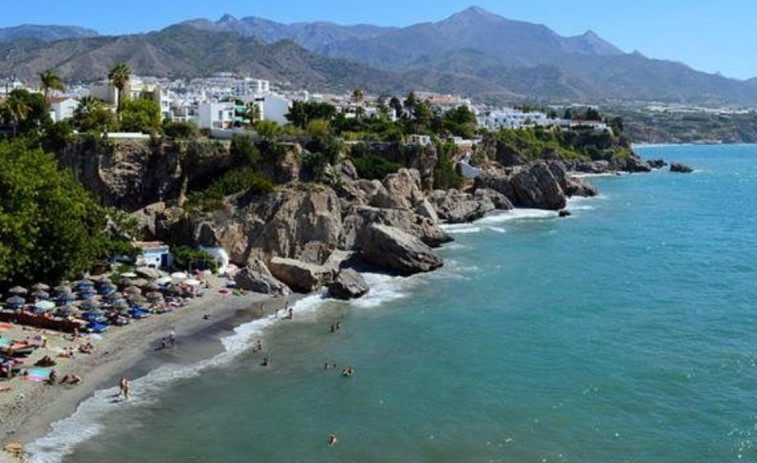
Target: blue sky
709,35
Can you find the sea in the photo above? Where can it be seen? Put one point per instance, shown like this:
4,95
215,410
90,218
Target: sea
624,333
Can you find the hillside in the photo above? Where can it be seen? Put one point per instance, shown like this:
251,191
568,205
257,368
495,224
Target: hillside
183,51
44,33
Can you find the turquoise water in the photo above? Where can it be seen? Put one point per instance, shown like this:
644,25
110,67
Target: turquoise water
626,333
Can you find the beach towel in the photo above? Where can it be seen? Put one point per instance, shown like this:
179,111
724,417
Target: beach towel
5,326
38,375
5,342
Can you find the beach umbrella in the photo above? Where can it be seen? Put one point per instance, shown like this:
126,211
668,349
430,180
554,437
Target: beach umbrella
154,296
65,311
114,296
132,290
83,285
103,280
125,282
18,290
121,305
89,304
192,282
44,305
39,294
16,301
41,287
129,275
179,276
62,289
134,297
164,280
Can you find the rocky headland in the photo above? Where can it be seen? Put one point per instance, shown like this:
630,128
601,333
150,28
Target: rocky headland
307,235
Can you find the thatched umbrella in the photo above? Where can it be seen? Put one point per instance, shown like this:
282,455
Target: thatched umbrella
41,287
114,296
89,305
154,296
121,305
132,290
62,289
18,290
16,301
125,282
39,294
104,280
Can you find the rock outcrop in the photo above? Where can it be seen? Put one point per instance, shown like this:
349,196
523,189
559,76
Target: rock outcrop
537,188
454,206
256,277
571,186
631,163
348,284
391,249
285,223
680,168
656,163
300,276
359,218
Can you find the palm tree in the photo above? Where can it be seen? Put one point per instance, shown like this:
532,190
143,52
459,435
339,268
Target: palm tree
15,110
357,98
119,76
49,80
252,113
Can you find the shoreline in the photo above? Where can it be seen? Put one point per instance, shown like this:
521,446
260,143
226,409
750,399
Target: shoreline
31,413
198,340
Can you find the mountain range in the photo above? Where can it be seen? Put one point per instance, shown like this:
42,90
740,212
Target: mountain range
44,33
474,52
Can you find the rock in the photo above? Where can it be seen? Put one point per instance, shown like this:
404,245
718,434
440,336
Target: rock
500,184
149,273
455,206
499,200
390,248
537,188
589,167
283,223
348,284
405,187
257,278
680,168
564,213
632,163
426,209
359,218
348,169
300,276
571,186
656,163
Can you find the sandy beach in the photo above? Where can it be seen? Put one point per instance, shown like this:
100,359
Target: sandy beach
28,408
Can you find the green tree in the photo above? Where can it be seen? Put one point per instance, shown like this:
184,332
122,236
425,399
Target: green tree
301,113
119,76
318,128
243,151
92,116
460,121
50,227
140,116
49,80
269,130
26,111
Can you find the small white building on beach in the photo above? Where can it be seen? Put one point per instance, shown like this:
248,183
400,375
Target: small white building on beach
153,254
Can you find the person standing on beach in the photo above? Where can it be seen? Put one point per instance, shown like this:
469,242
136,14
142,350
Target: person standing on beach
332,440
172,338
124,385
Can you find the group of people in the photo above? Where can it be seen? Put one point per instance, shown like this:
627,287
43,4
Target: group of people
71,379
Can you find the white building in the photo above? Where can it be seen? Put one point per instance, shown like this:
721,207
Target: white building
274,108
215,115
513,119
62,108
153,254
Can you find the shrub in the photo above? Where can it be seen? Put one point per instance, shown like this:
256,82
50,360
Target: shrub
180,130
243,151
372,166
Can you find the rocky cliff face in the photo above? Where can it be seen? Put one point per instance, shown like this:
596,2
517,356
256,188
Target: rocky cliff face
132,174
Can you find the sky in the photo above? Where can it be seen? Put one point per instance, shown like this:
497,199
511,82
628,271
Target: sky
709,35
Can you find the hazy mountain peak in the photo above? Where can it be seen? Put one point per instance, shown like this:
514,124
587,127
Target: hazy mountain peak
227,18
44,33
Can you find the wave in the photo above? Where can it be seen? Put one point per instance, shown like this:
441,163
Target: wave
516,214
461,228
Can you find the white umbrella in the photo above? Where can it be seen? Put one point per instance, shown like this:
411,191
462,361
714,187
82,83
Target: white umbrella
45,305
179,276
165,280
129,275
192,282
19,290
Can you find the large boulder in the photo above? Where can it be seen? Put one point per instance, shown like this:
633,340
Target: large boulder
405,187
391,249
454,206
680,168
348,284
571,186
300,276
256,277
359,218
537,188
284,223
499,183
499,200
632,163
657,163
590,167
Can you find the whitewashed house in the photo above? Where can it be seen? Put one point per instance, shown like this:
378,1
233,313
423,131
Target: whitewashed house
215,115
62,108
153,254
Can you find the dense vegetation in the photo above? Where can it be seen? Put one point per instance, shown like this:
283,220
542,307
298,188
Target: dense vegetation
50,227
